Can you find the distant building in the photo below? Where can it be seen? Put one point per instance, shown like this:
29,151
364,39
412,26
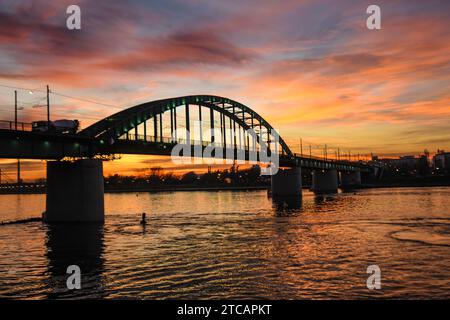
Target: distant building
405,162
441,162
409,165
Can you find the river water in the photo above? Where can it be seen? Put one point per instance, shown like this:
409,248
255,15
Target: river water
231,244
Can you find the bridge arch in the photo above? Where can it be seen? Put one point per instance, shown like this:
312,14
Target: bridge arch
124,122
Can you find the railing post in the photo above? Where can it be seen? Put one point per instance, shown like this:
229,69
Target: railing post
211,116
260,134
231,134
175,123
224,131
155,127
244,136
248,142
234,128
253,137
188,126
135,129
145,130
160,127
200,123
15,109
221,128
240,136
171,124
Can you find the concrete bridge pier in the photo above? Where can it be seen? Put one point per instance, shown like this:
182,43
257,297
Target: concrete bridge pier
75,191
287,183
324,181
350,180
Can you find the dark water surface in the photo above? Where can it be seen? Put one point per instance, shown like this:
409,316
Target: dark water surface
234,245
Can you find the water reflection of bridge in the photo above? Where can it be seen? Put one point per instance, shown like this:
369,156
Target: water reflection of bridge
23,188
75,244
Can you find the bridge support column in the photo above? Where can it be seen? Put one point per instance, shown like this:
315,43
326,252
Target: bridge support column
324,181
75,191
350,180
287,183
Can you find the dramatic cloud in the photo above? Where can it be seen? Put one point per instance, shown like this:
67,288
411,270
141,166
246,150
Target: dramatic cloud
309,67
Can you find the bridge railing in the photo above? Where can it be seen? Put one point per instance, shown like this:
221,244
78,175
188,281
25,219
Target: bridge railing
168,140
138,137
307,156
23,185
11,125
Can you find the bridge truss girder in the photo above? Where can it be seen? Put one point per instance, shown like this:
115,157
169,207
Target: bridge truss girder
239,115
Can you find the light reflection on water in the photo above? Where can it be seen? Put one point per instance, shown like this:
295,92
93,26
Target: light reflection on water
234,245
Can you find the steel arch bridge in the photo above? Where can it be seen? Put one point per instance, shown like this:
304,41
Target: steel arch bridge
140,130
241,120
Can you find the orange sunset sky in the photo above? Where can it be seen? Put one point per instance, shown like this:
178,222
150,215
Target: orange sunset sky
311,68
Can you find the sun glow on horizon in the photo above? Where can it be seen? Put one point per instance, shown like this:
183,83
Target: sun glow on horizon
315,75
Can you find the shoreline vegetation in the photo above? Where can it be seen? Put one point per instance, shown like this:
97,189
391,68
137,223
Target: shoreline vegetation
231,179
411,183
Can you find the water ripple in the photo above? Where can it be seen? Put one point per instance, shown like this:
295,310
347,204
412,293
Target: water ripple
233,245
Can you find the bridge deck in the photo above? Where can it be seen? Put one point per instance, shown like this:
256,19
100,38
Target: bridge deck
32,145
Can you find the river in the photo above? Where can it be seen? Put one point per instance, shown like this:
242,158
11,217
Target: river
234,245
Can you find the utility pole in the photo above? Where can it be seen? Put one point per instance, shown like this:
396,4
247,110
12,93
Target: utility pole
301,147
338,155
325,152
48,105
18,171
15,109
15,126
310,154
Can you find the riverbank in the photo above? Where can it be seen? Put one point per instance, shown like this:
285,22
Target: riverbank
8,222
185,188
29,189
398,182
406,182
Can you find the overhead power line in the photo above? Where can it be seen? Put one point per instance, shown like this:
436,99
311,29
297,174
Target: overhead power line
62,95
86,100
